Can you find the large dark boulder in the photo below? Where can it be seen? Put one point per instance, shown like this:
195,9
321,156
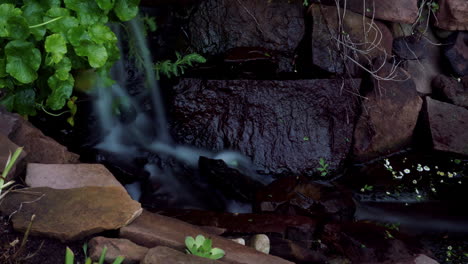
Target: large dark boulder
219,25
457,53
284,127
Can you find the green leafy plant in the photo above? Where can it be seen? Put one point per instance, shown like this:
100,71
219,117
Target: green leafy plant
44,43
202,247
8,166
70,257
176,68
323,169
367,188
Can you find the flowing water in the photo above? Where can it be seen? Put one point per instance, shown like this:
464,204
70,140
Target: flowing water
128,130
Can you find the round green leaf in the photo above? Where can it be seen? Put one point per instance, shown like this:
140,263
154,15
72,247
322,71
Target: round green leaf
23,60
88,11
105,4
25,101
61,91
66,23
126,9
63,68
101,34
7,11
57,46
97,54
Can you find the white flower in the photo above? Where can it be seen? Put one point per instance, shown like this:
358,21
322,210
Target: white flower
407,171
426,168
450,175
415,181
433,189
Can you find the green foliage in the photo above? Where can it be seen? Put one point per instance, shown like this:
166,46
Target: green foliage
306,3
8,166
43,42
202,247
176,68
323,169
70,257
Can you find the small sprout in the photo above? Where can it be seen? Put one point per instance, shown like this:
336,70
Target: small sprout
426,168
202,247
450,175
323,169
457,161
367,188
433,189
368,10
305,138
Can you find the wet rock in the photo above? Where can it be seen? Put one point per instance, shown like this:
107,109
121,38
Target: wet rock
448,125
421,59
419,259
452,15
289,250
230,181
153,230
372,39
219,25
389,115
132,252
40,148
367,243
260,242
68,176
457,53
165,255
300,196
285,127
70,214
298,228
451,90
401,11
6,148
251,62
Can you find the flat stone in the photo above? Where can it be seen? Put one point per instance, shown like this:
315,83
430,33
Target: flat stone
358,29
151,230
452,15
401,11
284,127
389,115
132,252
6,148
165,255
70,214
448,125
219,25
68,176
40,148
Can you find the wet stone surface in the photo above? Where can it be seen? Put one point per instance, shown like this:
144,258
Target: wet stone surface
284,127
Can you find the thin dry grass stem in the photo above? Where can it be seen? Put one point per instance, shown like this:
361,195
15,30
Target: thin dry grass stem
250,14
27,202
25,238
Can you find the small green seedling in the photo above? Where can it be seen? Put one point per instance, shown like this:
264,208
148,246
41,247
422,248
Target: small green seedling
202,247
367,188
323,169
8,166
70,257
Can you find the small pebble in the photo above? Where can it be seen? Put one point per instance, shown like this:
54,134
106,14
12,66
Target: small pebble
261,243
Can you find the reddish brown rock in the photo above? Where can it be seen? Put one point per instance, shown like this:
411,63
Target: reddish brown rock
294,252
448,125
68,176
40,148
70,214
452,15
6,148
389,115
457,53
451,90
165,255
151,230
332,45
132,252
401,11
